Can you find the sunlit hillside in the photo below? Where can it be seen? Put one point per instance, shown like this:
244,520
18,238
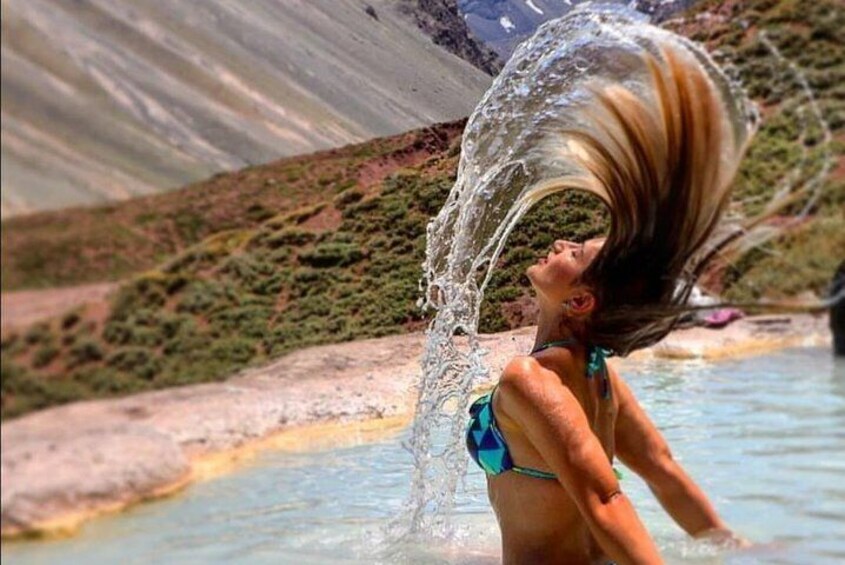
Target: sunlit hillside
248,275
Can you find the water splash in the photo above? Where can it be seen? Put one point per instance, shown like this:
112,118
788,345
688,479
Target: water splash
503,171
813,188
803,185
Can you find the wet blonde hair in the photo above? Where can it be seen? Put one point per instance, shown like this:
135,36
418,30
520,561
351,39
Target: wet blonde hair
663,161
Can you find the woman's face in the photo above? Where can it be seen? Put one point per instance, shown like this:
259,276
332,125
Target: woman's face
554,276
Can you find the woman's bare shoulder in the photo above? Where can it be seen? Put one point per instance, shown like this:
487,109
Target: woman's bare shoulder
526,375
522,367
533,395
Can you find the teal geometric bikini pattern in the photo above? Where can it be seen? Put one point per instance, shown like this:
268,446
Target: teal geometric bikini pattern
484,440
597,364
486,444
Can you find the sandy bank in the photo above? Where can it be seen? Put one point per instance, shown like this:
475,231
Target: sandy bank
64,465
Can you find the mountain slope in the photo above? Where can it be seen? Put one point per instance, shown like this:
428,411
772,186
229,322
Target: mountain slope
343,261
94,244
106,100
503,24
790,56
442,21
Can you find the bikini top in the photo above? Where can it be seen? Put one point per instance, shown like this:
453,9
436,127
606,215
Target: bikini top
484,440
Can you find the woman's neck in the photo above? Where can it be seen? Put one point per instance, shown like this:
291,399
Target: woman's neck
551,327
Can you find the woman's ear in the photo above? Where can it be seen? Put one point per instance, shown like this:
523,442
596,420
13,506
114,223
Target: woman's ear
582,304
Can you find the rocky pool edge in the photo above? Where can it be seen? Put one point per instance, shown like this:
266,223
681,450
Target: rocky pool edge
62,466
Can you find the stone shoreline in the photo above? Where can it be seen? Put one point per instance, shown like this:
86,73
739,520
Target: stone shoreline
64,465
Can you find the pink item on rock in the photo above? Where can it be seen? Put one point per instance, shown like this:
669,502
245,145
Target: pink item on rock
722,317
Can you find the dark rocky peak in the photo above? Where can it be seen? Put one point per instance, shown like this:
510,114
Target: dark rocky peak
503,24
441,20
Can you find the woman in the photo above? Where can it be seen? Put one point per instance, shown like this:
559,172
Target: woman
549,431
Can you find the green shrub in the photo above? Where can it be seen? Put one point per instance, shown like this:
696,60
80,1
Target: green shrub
189,225
133,332
360,208
137,361
70,319
191,260
14,379
280,255
148,291
44,355
288,236
270,285
256,275
258,212
10,342
39,332
85,351
107,381
187,342
207,253
806,259
309,281
292,218
331,255
233,350
202,296
248,320
348,197
23,391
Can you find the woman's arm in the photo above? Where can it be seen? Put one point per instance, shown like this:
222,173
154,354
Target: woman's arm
642,448
556,425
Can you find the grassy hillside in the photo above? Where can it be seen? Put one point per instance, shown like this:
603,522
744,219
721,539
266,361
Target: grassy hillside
776,45
92,244
341,259
344,269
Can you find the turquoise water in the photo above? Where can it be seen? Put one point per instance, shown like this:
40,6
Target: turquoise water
764,436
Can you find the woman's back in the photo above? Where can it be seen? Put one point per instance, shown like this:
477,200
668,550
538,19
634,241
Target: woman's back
539,520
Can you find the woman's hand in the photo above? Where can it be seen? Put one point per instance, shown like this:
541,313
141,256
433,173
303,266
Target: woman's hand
723,537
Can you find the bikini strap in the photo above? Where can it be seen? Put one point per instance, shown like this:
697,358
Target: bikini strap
597,364
596,360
